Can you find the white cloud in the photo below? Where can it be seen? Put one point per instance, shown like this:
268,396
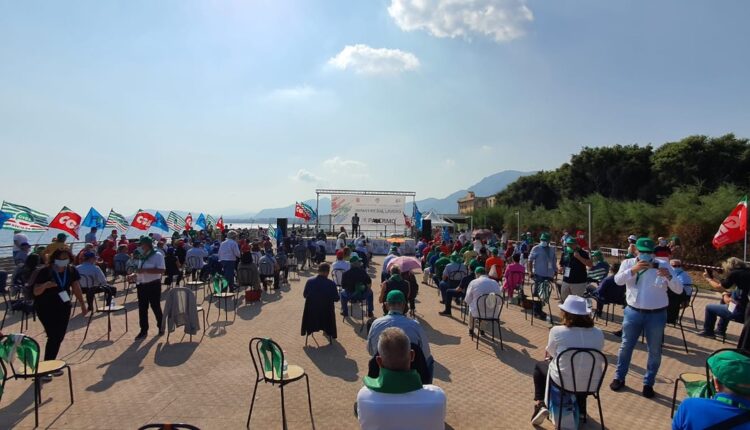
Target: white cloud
298,93
449,162
306,176
366,60
503,20
348,168
486,148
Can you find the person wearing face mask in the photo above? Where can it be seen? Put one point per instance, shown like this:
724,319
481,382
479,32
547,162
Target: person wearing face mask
631,246
52,288
662,249
150,267
573,264
542,265
646,281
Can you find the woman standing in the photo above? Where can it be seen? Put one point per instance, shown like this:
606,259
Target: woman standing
737,273
148,284
52,288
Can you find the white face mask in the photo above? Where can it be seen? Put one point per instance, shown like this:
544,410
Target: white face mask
544,243
61,263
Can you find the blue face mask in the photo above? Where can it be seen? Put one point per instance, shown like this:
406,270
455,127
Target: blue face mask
646,257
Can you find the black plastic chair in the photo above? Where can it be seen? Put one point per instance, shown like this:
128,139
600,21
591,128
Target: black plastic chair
88,282
488,311
35,372
693,296
588,362
271,376
545,294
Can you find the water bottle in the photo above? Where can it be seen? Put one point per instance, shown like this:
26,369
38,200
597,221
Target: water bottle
285,369
112,303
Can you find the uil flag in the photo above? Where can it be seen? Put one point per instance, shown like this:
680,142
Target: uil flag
300,212
220,223
160,222
67,221
734,227
189,222
142,220
201,222
94,219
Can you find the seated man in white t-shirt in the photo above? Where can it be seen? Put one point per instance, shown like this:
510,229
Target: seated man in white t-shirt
396,399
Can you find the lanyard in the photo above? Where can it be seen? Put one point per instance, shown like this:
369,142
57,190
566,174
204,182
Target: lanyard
144,259
728,401
61,282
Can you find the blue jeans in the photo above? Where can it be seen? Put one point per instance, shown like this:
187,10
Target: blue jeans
713,311
633,324
228,272
347,297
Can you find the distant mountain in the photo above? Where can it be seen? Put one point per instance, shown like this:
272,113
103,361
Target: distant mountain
448,205
486,187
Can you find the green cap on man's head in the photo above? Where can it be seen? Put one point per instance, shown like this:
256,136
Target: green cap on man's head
146,240
480,271
544,237
354,258
61,237
395,296
571,241
645,244
732,369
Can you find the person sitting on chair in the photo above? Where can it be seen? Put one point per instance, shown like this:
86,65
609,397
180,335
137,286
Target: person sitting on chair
729,408
452,274
319,314
269,268
731,308
608,291
396,317
340,263
577,331
395,282
397,399
90,270
356,284
196,255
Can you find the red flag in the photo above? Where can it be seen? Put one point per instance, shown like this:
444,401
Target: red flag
142,220
67,221
220,223
299,212
734,227
189,222
407,221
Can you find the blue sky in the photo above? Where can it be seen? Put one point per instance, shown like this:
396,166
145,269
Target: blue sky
234,106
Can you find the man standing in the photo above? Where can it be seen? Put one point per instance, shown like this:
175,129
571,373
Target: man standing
573,264
355,224
397,399
320,314
148,275
91,236
542,265
646,281
229,252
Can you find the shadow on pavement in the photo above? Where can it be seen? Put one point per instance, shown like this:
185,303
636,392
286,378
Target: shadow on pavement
124,367
332,361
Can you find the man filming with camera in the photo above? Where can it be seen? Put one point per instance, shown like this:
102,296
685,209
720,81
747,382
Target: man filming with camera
646,281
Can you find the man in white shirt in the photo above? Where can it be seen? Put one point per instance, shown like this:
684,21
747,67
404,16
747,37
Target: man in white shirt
646,281
340,263
477,288
229,252
150,266
396,399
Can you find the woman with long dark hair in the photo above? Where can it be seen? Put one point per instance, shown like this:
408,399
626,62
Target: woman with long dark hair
52,287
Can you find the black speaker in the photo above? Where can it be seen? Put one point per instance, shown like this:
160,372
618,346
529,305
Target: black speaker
427,229
281,225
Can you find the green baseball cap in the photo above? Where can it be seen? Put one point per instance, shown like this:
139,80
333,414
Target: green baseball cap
732,369
544,237
474,263
395,296
146,240
494,251
61,237
571,241
479,271
354,258
596,253
645,244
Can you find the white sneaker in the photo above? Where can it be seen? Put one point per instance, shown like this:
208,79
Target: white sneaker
540,415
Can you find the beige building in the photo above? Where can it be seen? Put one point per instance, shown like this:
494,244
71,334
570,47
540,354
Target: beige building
471,202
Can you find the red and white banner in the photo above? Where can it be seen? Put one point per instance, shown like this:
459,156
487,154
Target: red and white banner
142,220
189,221
734,227
67,221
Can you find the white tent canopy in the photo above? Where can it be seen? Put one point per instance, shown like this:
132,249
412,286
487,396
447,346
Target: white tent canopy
436,219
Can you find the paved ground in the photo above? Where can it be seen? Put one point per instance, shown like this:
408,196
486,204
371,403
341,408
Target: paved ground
124,384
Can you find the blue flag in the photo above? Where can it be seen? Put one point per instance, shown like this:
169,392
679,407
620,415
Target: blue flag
278,237
446,234
160,222
3,217
94,219
417,215
201,222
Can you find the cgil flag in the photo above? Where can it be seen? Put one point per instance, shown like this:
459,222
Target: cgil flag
160,222
24,218
94,219
67,221
175,222
189,222
734,227
300,212
142,220
201,222
220,223
116,221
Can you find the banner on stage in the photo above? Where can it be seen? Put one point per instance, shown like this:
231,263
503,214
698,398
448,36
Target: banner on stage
372,211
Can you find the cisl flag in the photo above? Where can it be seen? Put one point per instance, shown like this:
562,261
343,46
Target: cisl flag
189,222
67,221
142,220
734,227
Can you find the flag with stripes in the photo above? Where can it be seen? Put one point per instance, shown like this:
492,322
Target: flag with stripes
117,221
24,218
210,220
309,211
175,222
